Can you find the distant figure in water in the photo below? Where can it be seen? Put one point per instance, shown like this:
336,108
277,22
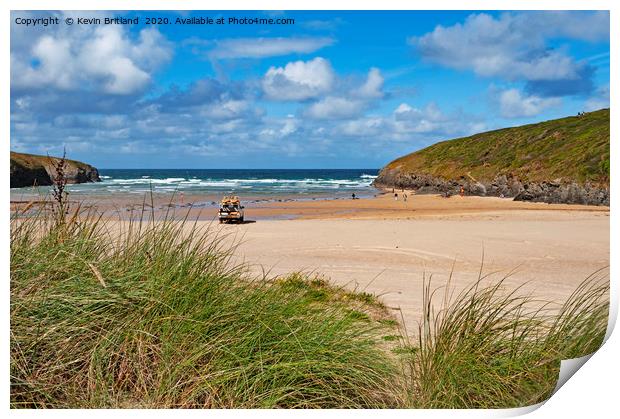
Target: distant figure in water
353,195
462,191
395,197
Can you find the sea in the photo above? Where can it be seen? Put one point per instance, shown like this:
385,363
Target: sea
296,183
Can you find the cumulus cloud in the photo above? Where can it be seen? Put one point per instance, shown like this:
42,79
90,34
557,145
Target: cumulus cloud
226,109
364,127
346,101
430,113
299,80
334,108
373,87
428,120
266,47
104,59
289,126
514,47
513,104
588,26
409,124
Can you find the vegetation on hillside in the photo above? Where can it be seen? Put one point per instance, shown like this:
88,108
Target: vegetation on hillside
574,149
34,160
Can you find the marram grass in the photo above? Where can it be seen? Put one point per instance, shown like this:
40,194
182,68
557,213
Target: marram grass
488,348
156,315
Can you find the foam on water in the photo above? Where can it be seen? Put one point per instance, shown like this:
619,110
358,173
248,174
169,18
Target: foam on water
259,182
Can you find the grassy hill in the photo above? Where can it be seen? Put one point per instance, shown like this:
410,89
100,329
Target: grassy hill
31,169
573,149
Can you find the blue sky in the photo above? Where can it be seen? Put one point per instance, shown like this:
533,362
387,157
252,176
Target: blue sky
349,89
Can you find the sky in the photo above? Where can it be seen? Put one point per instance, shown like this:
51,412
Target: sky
334,89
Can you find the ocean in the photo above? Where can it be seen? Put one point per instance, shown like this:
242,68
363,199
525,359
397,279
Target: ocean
252,182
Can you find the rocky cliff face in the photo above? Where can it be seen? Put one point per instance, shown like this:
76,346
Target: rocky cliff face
30,169
556,191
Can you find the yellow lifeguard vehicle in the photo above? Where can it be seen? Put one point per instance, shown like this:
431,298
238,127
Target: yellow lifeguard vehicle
230,209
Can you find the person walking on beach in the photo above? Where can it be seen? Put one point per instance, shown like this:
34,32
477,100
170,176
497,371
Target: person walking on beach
353,195
396,197
405,197
462,192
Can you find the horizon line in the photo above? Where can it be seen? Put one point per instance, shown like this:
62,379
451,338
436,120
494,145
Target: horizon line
235,168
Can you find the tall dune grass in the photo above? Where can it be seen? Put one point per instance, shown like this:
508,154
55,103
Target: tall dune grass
492,348
158,316
154,314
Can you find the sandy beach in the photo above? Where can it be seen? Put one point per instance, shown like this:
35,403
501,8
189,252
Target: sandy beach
388,247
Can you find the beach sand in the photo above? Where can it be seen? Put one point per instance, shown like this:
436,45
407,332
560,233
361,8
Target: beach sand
388,247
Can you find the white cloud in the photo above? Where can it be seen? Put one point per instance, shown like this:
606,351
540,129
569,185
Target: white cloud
431,112
513,46
289,127
334,108
373,86
588,26
299,80
103,58
515,105
228,109
363,127
266,47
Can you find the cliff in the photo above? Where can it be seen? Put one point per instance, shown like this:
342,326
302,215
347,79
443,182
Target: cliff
30,169
559,161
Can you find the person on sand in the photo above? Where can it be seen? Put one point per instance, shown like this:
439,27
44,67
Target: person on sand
405,197
353,195
395,197
462,192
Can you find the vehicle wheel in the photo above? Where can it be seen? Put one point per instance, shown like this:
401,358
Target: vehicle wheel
241,220
221,221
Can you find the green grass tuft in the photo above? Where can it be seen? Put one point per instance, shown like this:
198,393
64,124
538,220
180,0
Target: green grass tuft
157,316
494,349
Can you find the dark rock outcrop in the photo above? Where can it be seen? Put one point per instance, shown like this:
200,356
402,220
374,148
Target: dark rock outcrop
22,175
30,170
553,192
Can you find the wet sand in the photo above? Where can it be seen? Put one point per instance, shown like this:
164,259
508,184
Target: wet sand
382,206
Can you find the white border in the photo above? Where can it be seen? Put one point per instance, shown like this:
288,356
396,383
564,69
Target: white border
593,389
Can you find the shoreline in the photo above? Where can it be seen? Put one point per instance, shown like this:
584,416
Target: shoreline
378,205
